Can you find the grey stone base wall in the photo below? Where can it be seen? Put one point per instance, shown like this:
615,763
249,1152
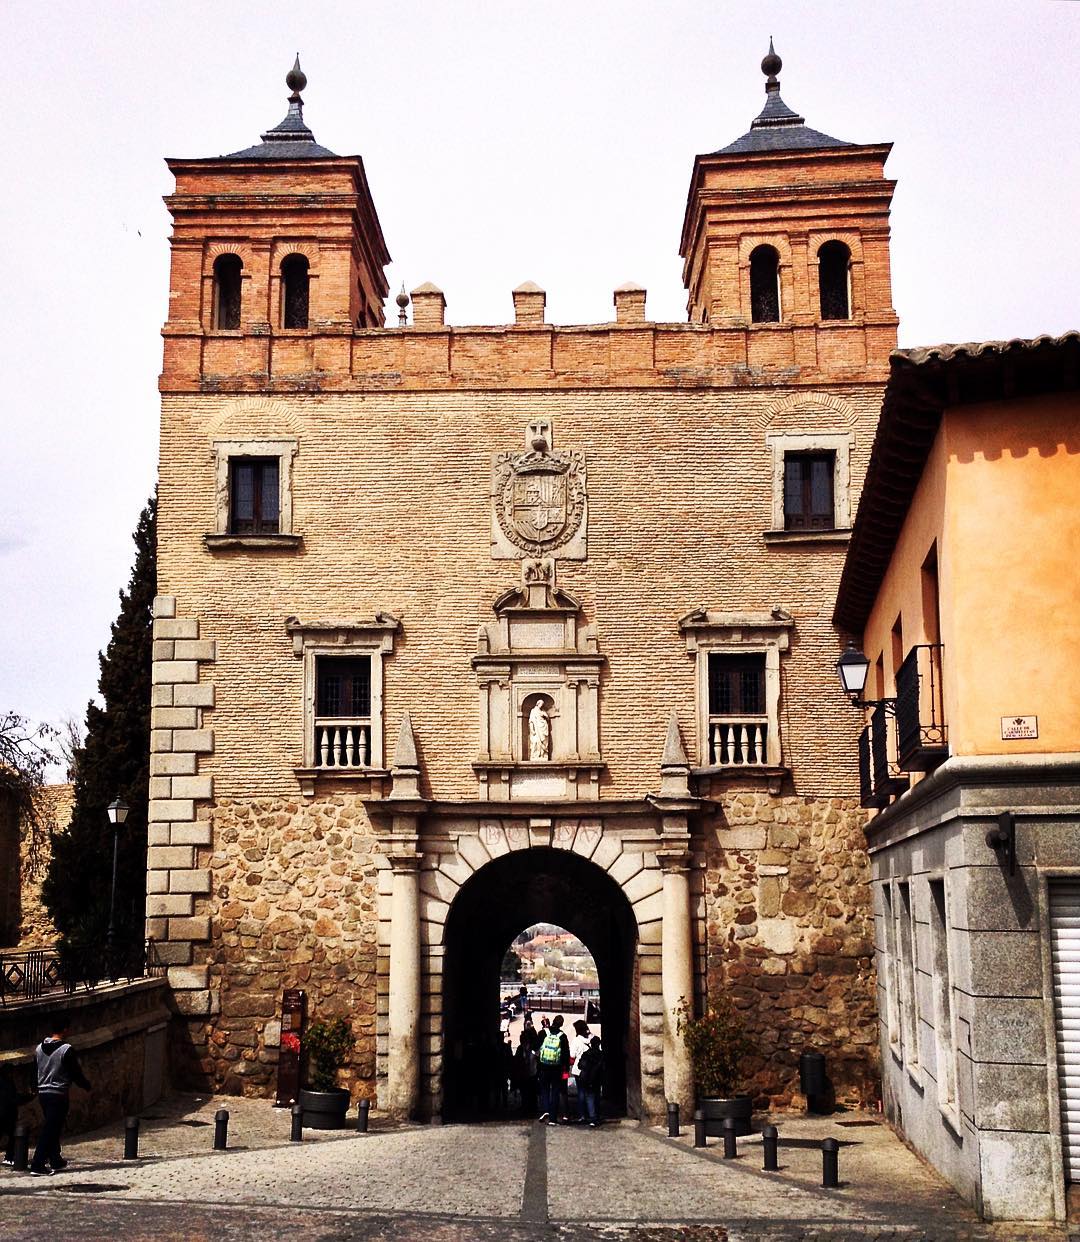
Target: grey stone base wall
973,1086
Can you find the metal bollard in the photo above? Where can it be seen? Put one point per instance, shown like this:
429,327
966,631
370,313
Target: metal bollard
769,1140
363,1107
221,1129
830,1163
673,1120
731,1149
297,1134
131,1138
21,1150
699,1128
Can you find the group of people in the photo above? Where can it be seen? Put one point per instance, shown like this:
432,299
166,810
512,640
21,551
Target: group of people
546,1062
57,1068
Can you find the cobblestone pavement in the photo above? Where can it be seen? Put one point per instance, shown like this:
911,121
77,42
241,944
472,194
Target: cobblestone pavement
518,1181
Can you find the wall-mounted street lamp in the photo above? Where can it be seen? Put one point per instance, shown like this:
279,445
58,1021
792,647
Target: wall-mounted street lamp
1002,840
852,668
117,811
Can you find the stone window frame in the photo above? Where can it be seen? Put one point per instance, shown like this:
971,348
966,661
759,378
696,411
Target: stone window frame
942,975
313,640
840,444
225,451
708,633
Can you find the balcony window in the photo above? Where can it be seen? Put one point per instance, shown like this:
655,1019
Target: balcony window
922,736
880,779
738,722
342,712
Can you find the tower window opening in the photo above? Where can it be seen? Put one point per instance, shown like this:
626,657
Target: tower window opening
764,285
834,280
228,269
295,284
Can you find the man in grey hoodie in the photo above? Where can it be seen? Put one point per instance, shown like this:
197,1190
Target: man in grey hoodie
57,1068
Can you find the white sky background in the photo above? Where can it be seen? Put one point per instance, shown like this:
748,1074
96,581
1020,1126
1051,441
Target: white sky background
503,142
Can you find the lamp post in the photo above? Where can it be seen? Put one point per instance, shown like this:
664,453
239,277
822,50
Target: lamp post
118,812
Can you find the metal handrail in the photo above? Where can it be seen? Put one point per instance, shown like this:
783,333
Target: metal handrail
28,974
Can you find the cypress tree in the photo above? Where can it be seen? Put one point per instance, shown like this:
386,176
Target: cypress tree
114,761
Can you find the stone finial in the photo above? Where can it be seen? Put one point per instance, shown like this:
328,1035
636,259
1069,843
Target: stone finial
296,80
429,306
674,763
402,301
405,766
771,66
529,303
630,303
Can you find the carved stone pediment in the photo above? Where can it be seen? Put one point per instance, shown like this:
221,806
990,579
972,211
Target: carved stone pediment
538,673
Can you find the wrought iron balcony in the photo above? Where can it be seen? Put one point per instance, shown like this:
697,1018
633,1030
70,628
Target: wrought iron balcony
922,736
880,779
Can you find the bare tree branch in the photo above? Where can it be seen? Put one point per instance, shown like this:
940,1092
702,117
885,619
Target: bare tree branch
26,752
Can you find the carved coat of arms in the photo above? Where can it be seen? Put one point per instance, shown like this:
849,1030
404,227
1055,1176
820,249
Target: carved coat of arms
538,499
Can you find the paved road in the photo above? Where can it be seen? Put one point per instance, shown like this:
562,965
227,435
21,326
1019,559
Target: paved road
518,1181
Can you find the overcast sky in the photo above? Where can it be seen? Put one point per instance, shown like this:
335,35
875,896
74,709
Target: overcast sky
503,142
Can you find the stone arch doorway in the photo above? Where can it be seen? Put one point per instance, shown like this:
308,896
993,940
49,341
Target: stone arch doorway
532,886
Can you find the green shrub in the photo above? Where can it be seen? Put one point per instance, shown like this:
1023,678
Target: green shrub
716,1044
328,1044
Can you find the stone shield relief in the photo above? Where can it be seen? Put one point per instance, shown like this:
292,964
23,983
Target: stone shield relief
539,504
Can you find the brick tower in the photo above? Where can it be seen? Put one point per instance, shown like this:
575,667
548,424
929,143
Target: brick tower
277,255
786,236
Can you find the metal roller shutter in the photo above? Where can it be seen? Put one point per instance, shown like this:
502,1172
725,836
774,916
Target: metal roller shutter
1065,954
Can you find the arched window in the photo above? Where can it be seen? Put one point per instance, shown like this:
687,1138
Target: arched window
227,276
764,285
834,280
294,292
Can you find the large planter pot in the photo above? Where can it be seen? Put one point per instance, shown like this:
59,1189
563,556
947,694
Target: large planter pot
325,1110
740,1107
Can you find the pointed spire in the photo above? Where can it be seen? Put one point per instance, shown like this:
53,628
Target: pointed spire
291,139
405,766
405,750
771,66
777,127
674,755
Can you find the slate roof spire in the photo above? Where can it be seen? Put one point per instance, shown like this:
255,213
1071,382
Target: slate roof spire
291,139
777,127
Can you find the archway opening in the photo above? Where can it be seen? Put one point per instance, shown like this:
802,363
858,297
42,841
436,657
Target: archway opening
518,891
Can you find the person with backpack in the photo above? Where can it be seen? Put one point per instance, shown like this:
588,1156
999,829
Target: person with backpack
590,1080
554,1061
57,1068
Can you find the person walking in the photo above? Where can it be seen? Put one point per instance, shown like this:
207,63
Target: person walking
57,1068
554,1058
590,1080
578,1045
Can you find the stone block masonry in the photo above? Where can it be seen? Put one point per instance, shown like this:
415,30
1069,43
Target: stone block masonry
178,823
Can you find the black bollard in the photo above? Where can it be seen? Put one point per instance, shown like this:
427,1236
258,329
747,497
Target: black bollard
131,1138
221,1129
699,1128
830,1163
363,1107
673,1120
769,1140
297,1135
21,1150
731,1149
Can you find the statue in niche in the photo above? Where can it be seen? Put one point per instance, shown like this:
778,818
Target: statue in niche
539,732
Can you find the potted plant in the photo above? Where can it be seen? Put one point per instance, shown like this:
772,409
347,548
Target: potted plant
325,1104
716,1044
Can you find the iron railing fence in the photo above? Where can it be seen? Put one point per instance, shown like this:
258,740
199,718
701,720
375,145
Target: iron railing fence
922,735
887,778
27,974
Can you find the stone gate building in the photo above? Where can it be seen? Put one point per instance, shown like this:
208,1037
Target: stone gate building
461,628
